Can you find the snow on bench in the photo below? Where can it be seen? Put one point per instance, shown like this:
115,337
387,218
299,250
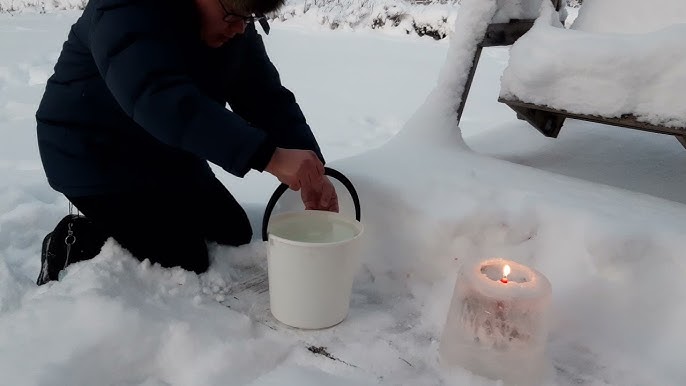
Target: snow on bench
619,64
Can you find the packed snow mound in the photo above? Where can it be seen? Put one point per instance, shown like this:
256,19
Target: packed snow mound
600,74
629,16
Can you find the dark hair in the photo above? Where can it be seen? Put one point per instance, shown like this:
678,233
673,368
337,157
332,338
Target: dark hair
254,6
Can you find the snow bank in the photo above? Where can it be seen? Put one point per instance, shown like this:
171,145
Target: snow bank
610,275
600,74
125,321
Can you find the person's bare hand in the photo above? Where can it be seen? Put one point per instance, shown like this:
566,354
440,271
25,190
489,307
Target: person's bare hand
296,168
322,197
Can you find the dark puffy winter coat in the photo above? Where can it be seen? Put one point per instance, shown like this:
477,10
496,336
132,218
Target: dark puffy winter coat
138,100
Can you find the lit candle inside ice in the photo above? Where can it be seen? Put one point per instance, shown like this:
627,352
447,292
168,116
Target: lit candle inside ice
506,271
493,328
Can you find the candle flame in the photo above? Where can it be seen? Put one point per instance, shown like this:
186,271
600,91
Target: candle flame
506,270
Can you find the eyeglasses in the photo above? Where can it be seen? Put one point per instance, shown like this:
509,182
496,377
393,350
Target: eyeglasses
231,17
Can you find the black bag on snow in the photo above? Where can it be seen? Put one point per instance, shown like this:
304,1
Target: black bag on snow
75,238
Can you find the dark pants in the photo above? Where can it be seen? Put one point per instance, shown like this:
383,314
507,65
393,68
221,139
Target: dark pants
170,226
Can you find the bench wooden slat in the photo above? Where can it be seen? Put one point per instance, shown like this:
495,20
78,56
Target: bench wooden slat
549,121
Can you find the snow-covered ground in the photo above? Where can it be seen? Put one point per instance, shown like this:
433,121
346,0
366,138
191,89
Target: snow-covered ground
600,211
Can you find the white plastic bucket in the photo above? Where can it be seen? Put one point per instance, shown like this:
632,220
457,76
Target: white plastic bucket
312,258
312,261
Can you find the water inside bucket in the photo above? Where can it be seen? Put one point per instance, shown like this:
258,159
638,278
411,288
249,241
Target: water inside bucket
310,228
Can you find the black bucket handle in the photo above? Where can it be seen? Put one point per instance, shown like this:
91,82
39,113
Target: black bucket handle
283,187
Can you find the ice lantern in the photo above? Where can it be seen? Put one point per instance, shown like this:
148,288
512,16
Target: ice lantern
497,325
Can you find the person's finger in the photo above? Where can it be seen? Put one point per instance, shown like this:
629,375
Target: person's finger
333,203
291,182
311,180
308,198
321,182
327,193
315,183
305,174
317,178
302,180
317,171
318,164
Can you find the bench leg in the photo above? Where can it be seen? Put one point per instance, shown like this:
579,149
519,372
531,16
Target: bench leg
549,124
681,139
468,84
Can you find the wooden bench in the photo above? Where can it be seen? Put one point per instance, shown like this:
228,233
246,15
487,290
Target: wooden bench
545,119
497,35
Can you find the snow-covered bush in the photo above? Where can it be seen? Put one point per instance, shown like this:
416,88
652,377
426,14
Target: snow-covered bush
433,18
40,5
422,17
